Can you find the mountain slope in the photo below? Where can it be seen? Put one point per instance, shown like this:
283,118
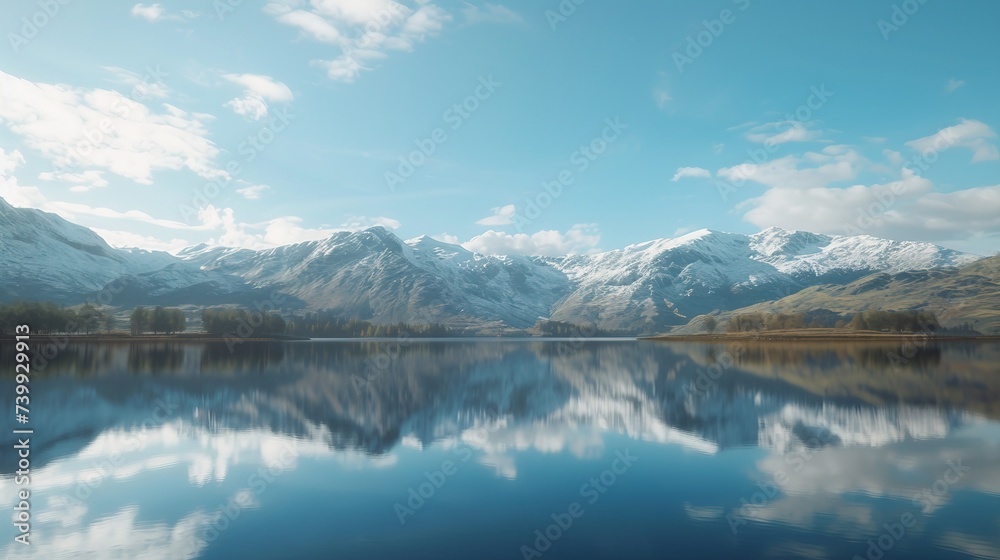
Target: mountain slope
970,293
668,281
48,258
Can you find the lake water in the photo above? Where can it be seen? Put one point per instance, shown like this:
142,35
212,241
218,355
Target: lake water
510,449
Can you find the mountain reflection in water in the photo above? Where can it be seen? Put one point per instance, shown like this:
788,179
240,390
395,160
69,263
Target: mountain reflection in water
139,447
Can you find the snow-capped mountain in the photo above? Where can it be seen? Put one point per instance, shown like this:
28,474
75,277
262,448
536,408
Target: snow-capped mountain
668,281
47,258
373,274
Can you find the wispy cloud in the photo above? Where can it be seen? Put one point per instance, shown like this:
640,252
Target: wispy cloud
782,132
365,32
258,90
152,12
489,13
501,216
953,85
695,172
969,134
253,192
82,181
156,12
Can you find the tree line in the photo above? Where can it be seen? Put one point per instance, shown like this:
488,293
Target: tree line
324,324
242,322
562,329
888,321
49,318
167,320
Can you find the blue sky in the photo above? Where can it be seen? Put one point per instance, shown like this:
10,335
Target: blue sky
242,123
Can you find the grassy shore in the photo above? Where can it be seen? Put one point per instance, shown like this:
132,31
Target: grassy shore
815,335
126,337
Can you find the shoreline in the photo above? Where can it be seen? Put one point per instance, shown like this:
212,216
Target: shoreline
817,335
196,337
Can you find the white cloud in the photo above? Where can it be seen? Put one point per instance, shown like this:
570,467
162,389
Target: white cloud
129,239
271,233
811,170
803,194
156,12
662,96
253,192
489,13
365,31
953,85
782,132
147,86
26,196
502,216
219,224
970,134
101,129
10,161
364,222
581,238
250,105
447,238
312,25
81,181
696,172
823,209
259,90
264,86
152,12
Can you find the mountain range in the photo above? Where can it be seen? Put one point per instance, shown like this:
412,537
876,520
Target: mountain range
374,275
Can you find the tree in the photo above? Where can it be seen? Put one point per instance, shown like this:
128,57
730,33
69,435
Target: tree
176,321
139,321
158,320
90,318
710,323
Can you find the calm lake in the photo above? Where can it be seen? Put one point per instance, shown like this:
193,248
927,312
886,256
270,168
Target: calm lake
510,449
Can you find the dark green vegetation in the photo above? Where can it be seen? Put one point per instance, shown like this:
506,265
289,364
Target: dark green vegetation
570,330
243,322
325,324
44,317
157,320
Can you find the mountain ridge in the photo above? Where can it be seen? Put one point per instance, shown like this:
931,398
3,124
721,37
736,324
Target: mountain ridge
372,274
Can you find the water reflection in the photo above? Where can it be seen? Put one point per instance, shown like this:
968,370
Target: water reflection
144,448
